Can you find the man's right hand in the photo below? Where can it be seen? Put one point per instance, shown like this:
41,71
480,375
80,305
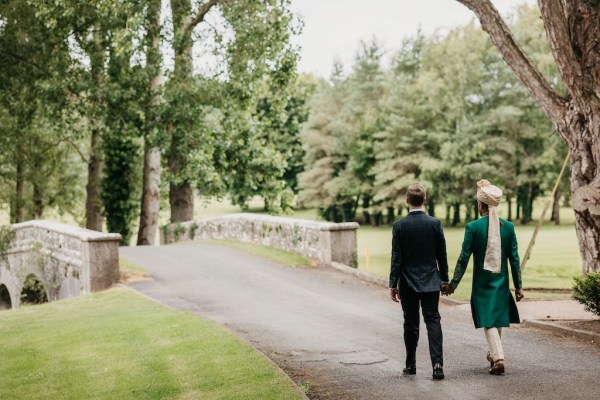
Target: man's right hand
395,294
447,289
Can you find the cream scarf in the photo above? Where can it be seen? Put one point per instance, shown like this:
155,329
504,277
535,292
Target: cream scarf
491,195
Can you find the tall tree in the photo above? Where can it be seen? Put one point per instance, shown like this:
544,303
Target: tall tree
573,29
150,199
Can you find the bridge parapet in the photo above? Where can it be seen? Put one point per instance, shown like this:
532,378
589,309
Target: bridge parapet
324,241
67,260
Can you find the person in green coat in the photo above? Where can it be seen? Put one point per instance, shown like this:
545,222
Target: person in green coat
493,243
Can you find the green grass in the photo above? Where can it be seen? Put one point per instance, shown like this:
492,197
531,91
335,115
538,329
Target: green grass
554,261
128,266
118,345
270,253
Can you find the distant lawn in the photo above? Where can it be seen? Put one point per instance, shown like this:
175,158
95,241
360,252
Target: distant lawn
270,253
118,345
555,258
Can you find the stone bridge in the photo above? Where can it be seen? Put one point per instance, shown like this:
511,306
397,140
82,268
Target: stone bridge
326,242
66,260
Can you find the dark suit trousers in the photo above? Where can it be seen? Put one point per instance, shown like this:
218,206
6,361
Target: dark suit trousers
410,306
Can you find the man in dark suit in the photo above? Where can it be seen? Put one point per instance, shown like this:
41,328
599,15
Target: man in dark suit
419,269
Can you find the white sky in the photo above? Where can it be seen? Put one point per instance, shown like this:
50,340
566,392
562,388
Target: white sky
333,28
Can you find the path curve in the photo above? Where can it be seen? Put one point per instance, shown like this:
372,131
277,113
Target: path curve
343,337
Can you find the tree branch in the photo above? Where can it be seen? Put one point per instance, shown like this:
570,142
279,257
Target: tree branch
557,29
491,22
202,11
20,58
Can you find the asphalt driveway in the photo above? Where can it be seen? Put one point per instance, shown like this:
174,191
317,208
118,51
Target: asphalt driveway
343,337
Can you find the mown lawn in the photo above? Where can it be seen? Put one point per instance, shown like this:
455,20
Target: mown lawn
554,261
119,345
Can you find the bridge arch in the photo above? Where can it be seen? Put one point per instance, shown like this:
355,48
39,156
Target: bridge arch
5,300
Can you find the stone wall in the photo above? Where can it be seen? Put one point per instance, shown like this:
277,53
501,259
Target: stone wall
67,260
323,241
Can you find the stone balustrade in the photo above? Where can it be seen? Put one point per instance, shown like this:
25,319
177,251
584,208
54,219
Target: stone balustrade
324,241
67,260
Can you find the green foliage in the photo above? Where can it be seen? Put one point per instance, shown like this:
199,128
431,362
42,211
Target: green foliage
586,290
33,291
7,235
447,113
120,185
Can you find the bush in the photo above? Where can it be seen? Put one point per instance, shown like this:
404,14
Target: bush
587,291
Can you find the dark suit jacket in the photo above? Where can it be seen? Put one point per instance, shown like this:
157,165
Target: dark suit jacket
419,253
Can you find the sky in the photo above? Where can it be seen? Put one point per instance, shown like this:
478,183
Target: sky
334,28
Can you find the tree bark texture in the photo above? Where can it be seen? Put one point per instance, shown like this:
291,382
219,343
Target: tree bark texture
93,203
150,203
573,31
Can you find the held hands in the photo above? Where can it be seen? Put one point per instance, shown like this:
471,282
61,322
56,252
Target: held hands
447,289
395,294
519,294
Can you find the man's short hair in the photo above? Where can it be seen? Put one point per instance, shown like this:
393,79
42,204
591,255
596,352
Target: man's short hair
415,195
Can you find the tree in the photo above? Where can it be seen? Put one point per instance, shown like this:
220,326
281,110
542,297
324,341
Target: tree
151,172
573,30
36,153
252,39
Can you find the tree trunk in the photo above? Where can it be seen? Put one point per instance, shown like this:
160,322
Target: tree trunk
38,201
456,215
18,210
150,197
556,207
585,186
509,204
366,213
391,215
181,193
431,207
93,203
150,205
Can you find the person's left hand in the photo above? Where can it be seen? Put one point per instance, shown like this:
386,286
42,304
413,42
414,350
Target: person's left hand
519,294
395,294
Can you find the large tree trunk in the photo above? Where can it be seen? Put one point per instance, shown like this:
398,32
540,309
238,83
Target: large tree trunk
93,202
584,188
150,205
181,193
573,29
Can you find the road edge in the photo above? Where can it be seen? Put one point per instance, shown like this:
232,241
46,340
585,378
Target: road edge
296,386
590,337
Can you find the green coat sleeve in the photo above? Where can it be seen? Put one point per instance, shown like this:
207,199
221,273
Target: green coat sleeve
513,259
463,259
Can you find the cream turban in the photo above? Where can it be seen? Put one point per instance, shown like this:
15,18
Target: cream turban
491,195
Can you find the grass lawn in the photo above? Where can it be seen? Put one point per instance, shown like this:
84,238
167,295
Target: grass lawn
554,261
118,345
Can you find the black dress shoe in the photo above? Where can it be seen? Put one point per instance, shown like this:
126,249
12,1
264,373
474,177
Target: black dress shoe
410,371
438,371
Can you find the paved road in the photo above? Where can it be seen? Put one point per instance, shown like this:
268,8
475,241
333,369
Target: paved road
343,337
